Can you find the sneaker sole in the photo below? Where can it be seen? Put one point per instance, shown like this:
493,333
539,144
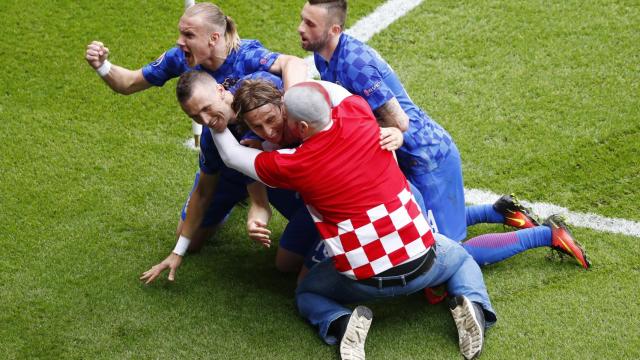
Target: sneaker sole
470,332
352,344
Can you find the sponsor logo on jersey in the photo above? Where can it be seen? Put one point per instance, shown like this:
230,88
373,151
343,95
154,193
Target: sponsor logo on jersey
158,60
375,87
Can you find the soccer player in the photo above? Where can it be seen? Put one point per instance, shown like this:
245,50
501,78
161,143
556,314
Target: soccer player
429,158
379,242
208,41
220,188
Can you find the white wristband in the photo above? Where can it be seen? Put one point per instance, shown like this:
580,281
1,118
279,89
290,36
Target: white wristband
182,245
104,69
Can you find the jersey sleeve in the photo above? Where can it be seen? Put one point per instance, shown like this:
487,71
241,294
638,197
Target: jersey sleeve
210,160
274,168
368,82
254,57
169,65
211,163
259,75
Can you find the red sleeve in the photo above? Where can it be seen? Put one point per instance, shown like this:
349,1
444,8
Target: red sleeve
273,169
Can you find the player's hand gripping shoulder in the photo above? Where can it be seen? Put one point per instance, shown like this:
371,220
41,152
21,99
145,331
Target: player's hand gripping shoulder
172,262
391,138
96,54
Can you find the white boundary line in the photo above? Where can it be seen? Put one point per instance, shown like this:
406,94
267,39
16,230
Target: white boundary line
586,220
365,28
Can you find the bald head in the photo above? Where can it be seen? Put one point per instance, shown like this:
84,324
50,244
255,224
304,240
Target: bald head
308,102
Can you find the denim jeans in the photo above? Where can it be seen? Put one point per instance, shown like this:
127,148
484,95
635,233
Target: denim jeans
322,293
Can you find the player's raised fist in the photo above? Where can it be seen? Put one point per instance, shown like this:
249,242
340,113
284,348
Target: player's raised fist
96,54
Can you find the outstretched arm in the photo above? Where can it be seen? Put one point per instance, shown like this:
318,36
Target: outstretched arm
119,79
292,69
235,155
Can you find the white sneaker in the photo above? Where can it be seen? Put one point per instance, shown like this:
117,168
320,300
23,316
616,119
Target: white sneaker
352,344
470,323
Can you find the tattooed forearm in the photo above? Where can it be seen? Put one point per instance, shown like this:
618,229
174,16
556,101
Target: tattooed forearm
391,114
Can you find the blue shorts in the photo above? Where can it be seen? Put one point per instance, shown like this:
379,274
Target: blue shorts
442,190
298,236
226,196
300,233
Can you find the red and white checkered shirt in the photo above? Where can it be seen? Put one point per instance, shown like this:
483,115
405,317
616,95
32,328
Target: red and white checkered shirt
357,195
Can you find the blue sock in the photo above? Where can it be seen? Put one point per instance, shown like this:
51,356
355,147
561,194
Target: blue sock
492,248
477,214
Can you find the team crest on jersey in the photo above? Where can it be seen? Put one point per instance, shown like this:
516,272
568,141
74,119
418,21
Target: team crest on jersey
375,87
158,60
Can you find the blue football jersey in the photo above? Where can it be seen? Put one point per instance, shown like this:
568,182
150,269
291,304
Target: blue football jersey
249,58
360,69
210,160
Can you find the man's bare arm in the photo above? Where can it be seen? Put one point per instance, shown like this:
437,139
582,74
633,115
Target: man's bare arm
119,79
292,69
259,214
390,114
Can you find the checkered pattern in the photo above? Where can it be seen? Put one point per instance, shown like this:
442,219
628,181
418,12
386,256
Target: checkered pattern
383,237
359,69
249,58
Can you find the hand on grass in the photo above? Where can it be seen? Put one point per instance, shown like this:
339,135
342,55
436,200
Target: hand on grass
172,262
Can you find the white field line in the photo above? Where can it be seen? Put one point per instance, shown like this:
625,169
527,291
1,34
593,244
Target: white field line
378,20
586,220
391,11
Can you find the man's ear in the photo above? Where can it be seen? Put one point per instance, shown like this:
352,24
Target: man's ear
335,30
214,37
303,127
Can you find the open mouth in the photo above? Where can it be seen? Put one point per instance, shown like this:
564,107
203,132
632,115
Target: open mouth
189,57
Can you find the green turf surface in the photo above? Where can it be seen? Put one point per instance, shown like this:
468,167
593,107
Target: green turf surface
541,98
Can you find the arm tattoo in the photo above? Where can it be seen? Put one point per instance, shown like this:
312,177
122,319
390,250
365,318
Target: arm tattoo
391,115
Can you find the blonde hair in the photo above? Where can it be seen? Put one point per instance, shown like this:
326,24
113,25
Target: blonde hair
216,19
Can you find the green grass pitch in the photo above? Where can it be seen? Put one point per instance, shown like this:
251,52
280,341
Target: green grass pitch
542,98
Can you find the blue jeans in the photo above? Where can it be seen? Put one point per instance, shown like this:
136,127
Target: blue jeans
322,293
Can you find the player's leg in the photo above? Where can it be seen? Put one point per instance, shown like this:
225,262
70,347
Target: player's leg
443,194
506,210
491,248
299,235
226,196
554,233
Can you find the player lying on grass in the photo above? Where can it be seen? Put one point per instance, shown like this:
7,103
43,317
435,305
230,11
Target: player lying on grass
380,244
429,157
